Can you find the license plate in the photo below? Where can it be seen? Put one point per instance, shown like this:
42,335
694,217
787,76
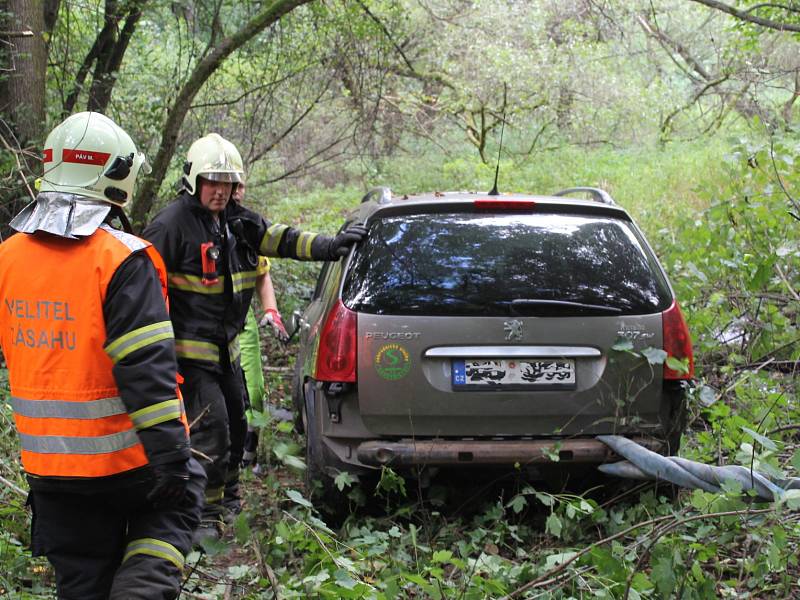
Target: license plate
513,373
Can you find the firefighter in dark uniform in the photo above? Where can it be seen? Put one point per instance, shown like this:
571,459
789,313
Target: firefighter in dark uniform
115,494
211,247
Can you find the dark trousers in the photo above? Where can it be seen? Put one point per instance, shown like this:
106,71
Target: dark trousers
215,409
115,544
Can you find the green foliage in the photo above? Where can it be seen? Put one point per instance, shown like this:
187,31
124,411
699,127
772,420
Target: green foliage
722,226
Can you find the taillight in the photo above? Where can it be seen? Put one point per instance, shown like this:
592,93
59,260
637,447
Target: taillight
487,204
336,357
677,342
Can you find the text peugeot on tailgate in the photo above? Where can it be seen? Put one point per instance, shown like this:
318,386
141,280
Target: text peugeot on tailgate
489,330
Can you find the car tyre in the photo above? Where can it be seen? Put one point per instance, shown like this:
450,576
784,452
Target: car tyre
678,420
297,400
320,486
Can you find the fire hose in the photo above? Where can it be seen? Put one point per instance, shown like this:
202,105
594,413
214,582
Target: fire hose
644,464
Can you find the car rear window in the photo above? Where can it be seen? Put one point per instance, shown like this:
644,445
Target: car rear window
503,264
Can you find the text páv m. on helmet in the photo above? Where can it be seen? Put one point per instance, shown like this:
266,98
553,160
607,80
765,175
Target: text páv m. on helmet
90,155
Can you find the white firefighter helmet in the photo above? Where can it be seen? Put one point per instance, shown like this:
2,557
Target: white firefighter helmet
214,158
90,155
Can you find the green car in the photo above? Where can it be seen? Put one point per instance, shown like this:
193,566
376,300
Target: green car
473,330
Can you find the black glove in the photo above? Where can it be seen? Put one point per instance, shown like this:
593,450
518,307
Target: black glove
171,480
340,245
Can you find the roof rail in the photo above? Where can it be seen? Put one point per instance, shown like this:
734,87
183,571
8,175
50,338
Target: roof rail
381,195
597,194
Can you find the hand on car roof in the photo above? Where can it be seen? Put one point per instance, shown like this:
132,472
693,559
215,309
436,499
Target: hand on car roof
340,245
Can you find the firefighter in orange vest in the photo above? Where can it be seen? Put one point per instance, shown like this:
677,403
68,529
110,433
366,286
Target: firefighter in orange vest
115,494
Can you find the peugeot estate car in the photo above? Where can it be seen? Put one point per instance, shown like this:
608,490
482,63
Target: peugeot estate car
476,330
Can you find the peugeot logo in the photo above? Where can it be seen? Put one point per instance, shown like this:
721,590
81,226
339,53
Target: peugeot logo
513,329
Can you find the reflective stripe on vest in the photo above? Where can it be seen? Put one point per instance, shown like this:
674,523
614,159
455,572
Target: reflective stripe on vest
64,409
154,547
62,444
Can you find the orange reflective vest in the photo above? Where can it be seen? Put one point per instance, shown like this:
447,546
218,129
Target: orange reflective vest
69,415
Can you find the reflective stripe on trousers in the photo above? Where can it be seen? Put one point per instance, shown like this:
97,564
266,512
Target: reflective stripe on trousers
197,350
154,547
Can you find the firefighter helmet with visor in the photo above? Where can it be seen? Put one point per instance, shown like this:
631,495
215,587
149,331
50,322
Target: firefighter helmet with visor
90,155
214,158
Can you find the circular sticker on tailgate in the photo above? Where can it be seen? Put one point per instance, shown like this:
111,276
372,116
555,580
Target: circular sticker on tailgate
392,362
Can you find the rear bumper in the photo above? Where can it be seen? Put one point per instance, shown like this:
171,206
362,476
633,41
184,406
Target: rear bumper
490,452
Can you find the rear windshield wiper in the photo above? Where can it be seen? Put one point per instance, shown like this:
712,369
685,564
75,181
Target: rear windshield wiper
520,303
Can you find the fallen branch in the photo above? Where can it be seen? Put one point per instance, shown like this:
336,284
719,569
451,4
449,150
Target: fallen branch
542,579
201,455
200,416
267,571
13,486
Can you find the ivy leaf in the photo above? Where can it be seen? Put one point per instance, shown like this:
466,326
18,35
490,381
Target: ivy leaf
792,499
517,503
294,462
241,528
707,396
655,356
795,460
761,439
677,364
213,546
285,426
258,419
343,579
441,556
553,525
556,559
663,576
297,498
762,275
623,345
344,479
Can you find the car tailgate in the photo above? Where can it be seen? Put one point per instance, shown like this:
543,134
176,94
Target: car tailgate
531,376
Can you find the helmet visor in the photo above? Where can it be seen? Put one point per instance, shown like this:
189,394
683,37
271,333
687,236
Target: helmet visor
228,176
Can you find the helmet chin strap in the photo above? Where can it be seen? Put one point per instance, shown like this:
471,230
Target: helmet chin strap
116,211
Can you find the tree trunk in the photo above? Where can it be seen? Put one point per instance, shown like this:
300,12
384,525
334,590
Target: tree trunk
23,99
149,185
23,55
106,55
110,60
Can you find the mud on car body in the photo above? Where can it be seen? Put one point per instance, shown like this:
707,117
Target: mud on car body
472,330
